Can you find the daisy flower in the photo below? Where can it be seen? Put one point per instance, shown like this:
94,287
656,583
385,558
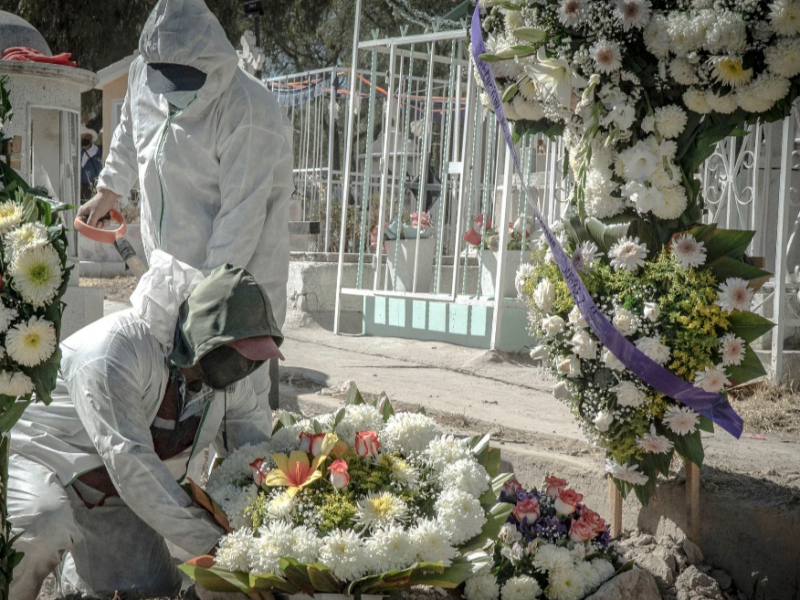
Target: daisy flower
571,12
628,254
730,71
36,274
30,234
633,13
688,251
7,316
15,384
11,215
606,56
732,349
681,419
652,442
712,379
734,294
31,343
380,510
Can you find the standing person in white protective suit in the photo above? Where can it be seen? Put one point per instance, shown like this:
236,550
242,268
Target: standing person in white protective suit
141,392
212,150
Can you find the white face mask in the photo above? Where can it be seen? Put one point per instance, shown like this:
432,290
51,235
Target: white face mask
180,100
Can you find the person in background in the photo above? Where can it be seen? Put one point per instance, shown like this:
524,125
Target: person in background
91,163
212,151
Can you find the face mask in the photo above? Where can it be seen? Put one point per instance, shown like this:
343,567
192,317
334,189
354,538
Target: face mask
180,100
86,143
224,366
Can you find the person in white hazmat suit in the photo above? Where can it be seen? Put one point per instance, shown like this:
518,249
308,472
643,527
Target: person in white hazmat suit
140,393
212,150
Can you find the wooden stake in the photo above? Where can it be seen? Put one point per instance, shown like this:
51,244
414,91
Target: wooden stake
615,499
693,501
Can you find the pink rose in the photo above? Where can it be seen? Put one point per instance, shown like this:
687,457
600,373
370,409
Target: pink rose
581,531
593,519
554,485
567,501
367,443
259,470
311,442
512,486
527,509
339,475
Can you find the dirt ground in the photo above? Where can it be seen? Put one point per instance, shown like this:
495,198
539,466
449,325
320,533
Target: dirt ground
118,289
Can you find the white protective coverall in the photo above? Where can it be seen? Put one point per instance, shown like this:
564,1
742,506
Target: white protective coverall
216,178
113,378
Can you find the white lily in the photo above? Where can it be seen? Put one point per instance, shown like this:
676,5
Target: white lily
556,76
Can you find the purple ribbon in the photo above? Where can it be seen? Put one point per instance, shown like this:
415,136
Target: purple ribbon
713,406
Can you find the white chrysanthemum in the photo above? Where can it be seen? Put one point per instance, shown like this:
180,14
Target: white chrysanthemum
467,476
656,36
726,34
585,256
640,161
732,348
409,433
404,473
652,442
724,104
344,553
445,450
628,394
281,506
696,101
571,12
783,58
36,274
544,295
606,56
30,234
236,468
683,71
627,254
624,321
432,542
274,541
514,20
763,93
7,316
15,384
566,584
629,473
391,549
522,587
234,501
605,570
735,294
687,33
688,251
527,110
646,198
362,417
749,99
550,557
654,349
712,379
633,13
584,345
11,215
600,202
524,273
31,343
784,16
305,544
234,550
285,440
382,509
730,71
460,514
681,419
670,120
483,586
675,202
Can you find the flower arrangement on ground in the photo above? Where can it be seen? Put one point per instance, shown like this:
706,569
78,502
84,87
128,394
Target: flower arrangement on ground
553,546
33,279
642,92
411,226
362,500
481,233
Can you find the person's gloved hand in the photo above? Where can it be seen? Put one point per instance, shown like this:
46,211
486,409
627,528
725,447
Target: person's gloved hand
204,594
96,208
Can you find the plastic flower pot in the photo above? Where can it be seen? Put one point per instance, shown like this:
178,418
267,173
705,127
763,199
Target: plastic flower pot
400,264
489,273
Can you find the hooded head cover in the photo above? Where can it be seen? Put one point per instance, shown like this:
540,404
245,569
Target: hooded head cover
229,305
185,32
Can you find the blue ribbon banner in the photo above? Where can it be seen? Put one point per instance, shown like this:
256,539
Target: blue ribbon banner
712,406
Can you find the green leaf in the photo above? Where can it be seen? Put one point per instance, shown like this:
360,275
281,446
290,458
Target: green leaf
217,579
510,92
457,573
749,326
386,408
44,377
12,413
339,418
354,397
271,583
657,463
517,51
323,580
29,209
285,420
530,34
489,58
690,447
489,497
751,368
491,461
297,574
606,235
496,517
703,233
725,267
705,424
479,444
728,242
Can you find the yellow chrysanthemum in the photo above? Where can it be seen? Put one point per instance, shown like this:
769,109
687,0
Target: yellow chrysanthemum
731,72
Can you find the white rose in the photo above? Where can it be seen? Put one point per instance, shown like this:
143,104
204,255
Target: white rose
652,311
603,420
570,366
654,349
611,361
540,353
576,318
552,326
561,391
628,394
583,345
624,321
544,295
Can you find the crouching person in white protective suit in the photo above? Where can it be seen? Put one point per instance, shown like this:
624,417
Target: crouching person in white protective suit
211,150
94,477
